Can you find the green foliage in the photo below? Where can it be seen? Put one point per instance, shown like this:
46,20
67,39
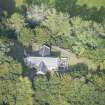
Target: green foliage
10,70
90,10
83,37
19,2
65,5
60,23
41,35
58,27
69,91
57,23
79,70
85,94
102,65
96,55
87,38
24,34
13,88
36,14
26,37
8,6
16,21
39,2
52,92
84,31
5,30
92,3
4,49
17,92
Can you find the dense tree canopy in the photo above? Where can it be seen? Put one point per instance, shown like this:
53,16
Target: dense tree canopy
57,23
73,26
17,92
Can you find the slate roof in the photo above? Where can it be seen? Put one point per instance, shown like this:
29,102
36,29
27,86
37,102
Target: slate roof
51,63
44,51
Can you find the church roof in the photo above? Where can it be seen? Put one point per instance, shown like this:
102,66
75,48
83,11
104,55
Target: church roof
51,62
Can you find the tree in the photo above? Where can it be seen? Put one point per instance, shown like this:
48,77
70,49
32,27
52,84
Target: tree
86,34
14,89
8,6
36,14
83,30
37,2
23,34
102,66
41,34
57,24
17,92
4,49
19,3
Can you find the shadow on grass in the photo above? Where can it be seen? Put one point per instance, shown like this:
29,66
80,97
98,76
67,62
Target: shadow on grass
78,70
75,71
17,53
